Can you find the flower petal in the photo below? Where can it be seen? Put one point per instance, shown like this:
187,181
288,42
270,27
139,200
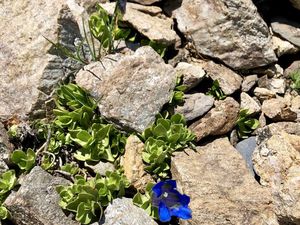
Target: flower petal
184,200
157,188
182,212
172,183
164,213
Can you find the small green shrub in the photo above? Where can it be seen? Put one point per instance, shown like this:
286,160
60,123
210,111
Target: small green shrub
245,124
296,80
178,93
70,168
86,197
7,182
25,161
4,213
216,91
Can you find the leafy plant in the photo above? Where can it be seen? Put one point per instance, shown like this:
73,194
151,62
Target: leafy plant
163,138
70,168
178,93
7,182
144,201
25,161
87,197
296,80
216,91
245,124
4,213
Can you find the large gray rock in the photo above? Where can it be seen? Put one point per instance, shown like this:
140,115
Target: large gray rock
149,21
123,212
289,30
222,190
218,120
29,71
195,105
229,30
277,162
137,88
36,202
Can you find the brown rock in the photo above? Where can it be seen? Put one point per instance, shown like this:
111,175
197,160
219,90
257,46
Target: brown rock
277,163
249,103
218,120
133,163
264,93
249,82
283,47
221,188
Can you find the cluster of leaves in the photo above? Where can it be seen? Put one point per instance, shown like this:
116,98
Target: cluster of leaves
178,93
144,201
25,160
8,181
163,138
87,197
245,124
296,80
216,91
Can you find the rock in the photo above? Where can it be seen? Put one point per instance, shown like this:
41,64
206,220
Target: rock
101,167
229,81
277,163
192,74
278,109
294,67
221,189
195,105
289,30
30,69
282,47
133,163
149,21
123,212
262,120
218,120
264,94
36,202
133,99
249,103
249,82
91,76
277,85
6,147
246,148
145,2
296,3
295,106
275,128
270,71
231,31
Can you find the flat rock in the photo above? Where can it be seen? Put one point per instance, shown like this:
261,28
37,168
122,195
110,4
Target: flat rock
283,47
279,109
249,103
101,167
288,30
145,2
192,74
277,162
123,212
229,80
264,93
249,82
133,163
149,21
219,120
36,202
229,30
29,71
222,190
246,148
136,90
195,105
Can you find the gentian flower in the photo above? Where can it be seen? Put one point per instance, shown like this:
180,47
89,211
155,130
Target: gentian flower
170,202
122,5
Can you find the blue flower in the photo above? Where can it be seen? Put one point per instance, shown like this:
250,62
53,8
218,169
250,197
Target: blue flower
122,5
170,202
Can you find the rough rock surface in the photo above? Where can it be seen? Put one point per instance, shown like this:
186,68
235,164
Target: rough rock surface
229,80
230,30
296,3
149,21
283,47
222,190
101,167
5,146
247,102
277,162
145,2
264,93
249,82
133,163
36,202
277,85
192,74
279,109
294,67
218,120
123,212
289,30
195,105
29,70
137,88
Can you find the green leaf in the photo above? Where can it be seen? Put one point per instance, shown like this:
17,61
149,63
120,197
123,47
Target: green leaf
4,213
